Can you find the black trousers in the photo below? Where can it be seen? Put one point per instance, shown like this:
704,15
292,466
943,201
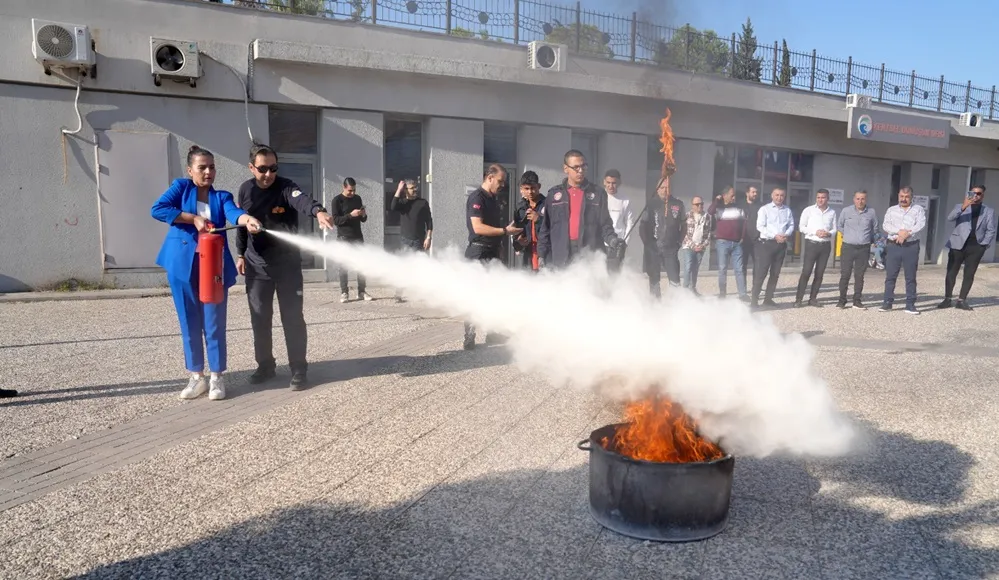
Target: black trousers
816,257
342,272
897,258
668,261
768,259
260,293
748,251
853,260
970,256
483,254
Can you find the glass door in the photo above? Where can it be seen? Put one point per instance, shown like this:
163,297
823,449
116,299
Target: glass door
303,173
403,160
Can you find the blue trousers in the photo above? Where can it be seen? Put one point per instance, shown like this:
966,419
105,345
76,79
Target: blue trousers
903,258
728,250
197,320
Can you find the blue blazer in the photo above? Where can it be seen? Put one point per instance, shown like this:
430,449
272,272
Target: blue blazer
180,246
961,222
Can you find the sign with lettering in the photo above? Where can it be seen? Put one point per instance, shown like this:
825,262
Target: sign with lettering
899,128
923,200
836,196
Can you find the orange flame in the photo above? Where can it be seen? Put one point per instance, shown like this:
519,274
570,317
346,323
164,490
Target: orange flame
657,429
667,140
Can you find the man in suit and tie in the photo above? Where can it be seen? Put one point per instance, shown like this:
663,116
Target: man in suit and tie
974,231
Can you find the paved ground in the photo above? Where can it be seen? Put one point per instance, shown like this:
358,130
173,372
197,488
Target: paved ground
415,459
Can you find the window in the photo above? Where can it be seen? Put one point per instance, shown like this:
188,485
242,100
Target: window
500,143
587,144
801,167
403,160
294,135
749,163
935,179
724,168
977,177
294,131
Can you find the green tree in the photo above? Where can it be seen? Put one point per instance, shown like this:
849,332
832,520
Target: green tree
784,78
592,41
466,33
747,66
693,50
310,7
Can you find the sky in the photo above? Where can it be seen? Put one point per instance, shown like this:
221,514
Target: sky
952,38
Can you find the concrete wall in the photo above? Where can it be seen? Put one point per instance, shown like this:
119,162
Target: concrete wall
542,150
350,144
48,202
629,155
454,148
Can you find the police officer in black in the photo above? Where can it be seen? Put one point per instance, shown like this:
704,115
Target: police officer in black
575,217
485,227
271,265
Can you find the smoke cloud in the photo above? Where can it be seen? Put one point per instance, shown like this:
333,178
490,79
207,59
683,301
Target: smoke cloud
751,388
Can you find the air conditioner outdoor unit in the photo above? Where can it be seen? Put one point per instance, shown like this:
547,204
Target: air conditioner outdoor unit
970,120
859,101
176,60
61,45
547,56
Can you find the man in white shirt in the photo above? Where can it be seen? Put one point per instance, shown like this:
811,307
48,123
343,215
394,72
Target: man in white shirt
619,208
818,228
904,225
775,223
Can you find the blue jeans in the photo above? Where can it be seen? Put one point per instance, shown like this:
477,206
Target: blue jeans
728,249
691,266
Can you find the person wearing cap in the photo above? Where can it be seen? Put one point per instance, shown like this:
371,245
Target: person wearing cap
527,217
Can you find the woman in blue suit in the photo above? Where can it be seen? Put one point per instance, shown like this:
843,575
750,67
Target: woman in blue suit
188,206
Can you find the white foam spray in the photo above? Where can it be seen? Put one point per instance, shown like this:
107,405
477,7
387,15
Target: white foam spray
750,388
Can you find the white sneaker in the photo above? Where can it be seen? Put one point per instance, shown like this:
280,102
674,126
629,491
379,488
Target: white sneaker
196,387
344,297
216,388
365,296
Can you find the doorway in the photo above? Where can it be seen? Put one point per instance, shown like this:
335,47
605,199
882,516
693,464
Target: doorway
302,170
403,160
933,208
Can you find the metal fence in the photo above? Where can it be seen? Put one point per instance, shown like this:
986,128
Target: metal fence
637,40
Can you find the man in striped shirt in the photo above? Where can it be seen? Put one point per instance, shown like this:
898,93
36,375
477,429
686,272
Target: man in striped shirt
904,225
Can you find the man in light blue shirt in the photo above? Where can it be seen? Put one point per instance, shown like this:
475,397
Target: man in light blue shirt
904,225
775,223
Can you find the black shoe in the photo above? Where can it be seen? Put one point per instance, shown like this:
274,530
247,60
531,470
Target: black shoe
262,374
814,303
797,303
7,393
769,303
841,305
962,305
859,305
298,381
946,303
469,343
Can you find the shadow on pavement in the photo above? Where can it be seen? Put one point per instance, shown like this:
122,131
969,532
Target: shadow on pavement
890,512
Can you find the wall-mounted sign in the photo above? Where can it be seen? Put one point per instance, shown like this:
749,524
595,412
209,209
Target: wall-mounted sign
923,200
900,128
836,196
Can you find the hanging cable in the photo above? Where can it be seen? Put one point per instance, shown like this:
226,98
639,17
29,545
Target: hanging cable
76,107
246,91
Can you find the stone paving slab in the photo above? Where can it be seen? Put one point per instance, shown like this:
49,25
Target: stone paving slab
413,459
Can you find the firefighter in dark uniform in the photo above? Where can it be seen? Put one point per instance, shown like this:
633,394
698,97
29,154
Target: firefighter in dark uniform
528,217
271,265
485,227
662,228
575,217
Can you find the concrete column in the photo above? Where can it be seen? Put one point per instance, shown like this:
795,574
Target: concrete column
454,151
628,153
542,150
351,145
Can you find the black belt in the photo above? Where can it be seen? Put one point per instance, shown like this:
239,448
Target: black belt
904,244
485,245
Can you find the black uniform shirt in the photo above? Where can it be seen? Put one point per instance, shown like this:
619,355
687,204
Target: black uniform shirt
348,227
277,208
414,217
485,206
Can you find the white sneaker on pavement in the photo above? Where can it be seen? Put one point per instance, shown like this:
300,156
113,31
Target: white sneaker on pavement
344,297
196,386
216,388
365,296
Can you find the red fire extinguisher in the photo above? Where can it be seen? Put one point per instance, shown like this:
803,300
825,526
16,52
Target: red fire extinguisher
211,288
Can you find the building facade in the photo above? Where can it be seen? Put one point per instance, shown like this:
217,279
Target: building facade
381,104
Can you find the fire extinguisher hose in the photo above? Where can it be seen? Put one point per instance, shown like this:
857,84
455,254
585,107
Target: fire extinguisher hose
225,229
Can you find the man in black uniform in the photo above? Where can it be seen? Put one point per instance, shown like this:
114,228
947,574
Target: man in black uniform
575,217
485,227
271,265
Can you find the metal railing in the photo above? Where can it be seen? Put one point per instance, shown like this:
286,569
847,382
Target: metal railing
637,40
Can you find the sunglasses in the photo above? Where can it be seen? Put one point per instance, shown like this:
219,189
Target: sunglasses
698,203
265,169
